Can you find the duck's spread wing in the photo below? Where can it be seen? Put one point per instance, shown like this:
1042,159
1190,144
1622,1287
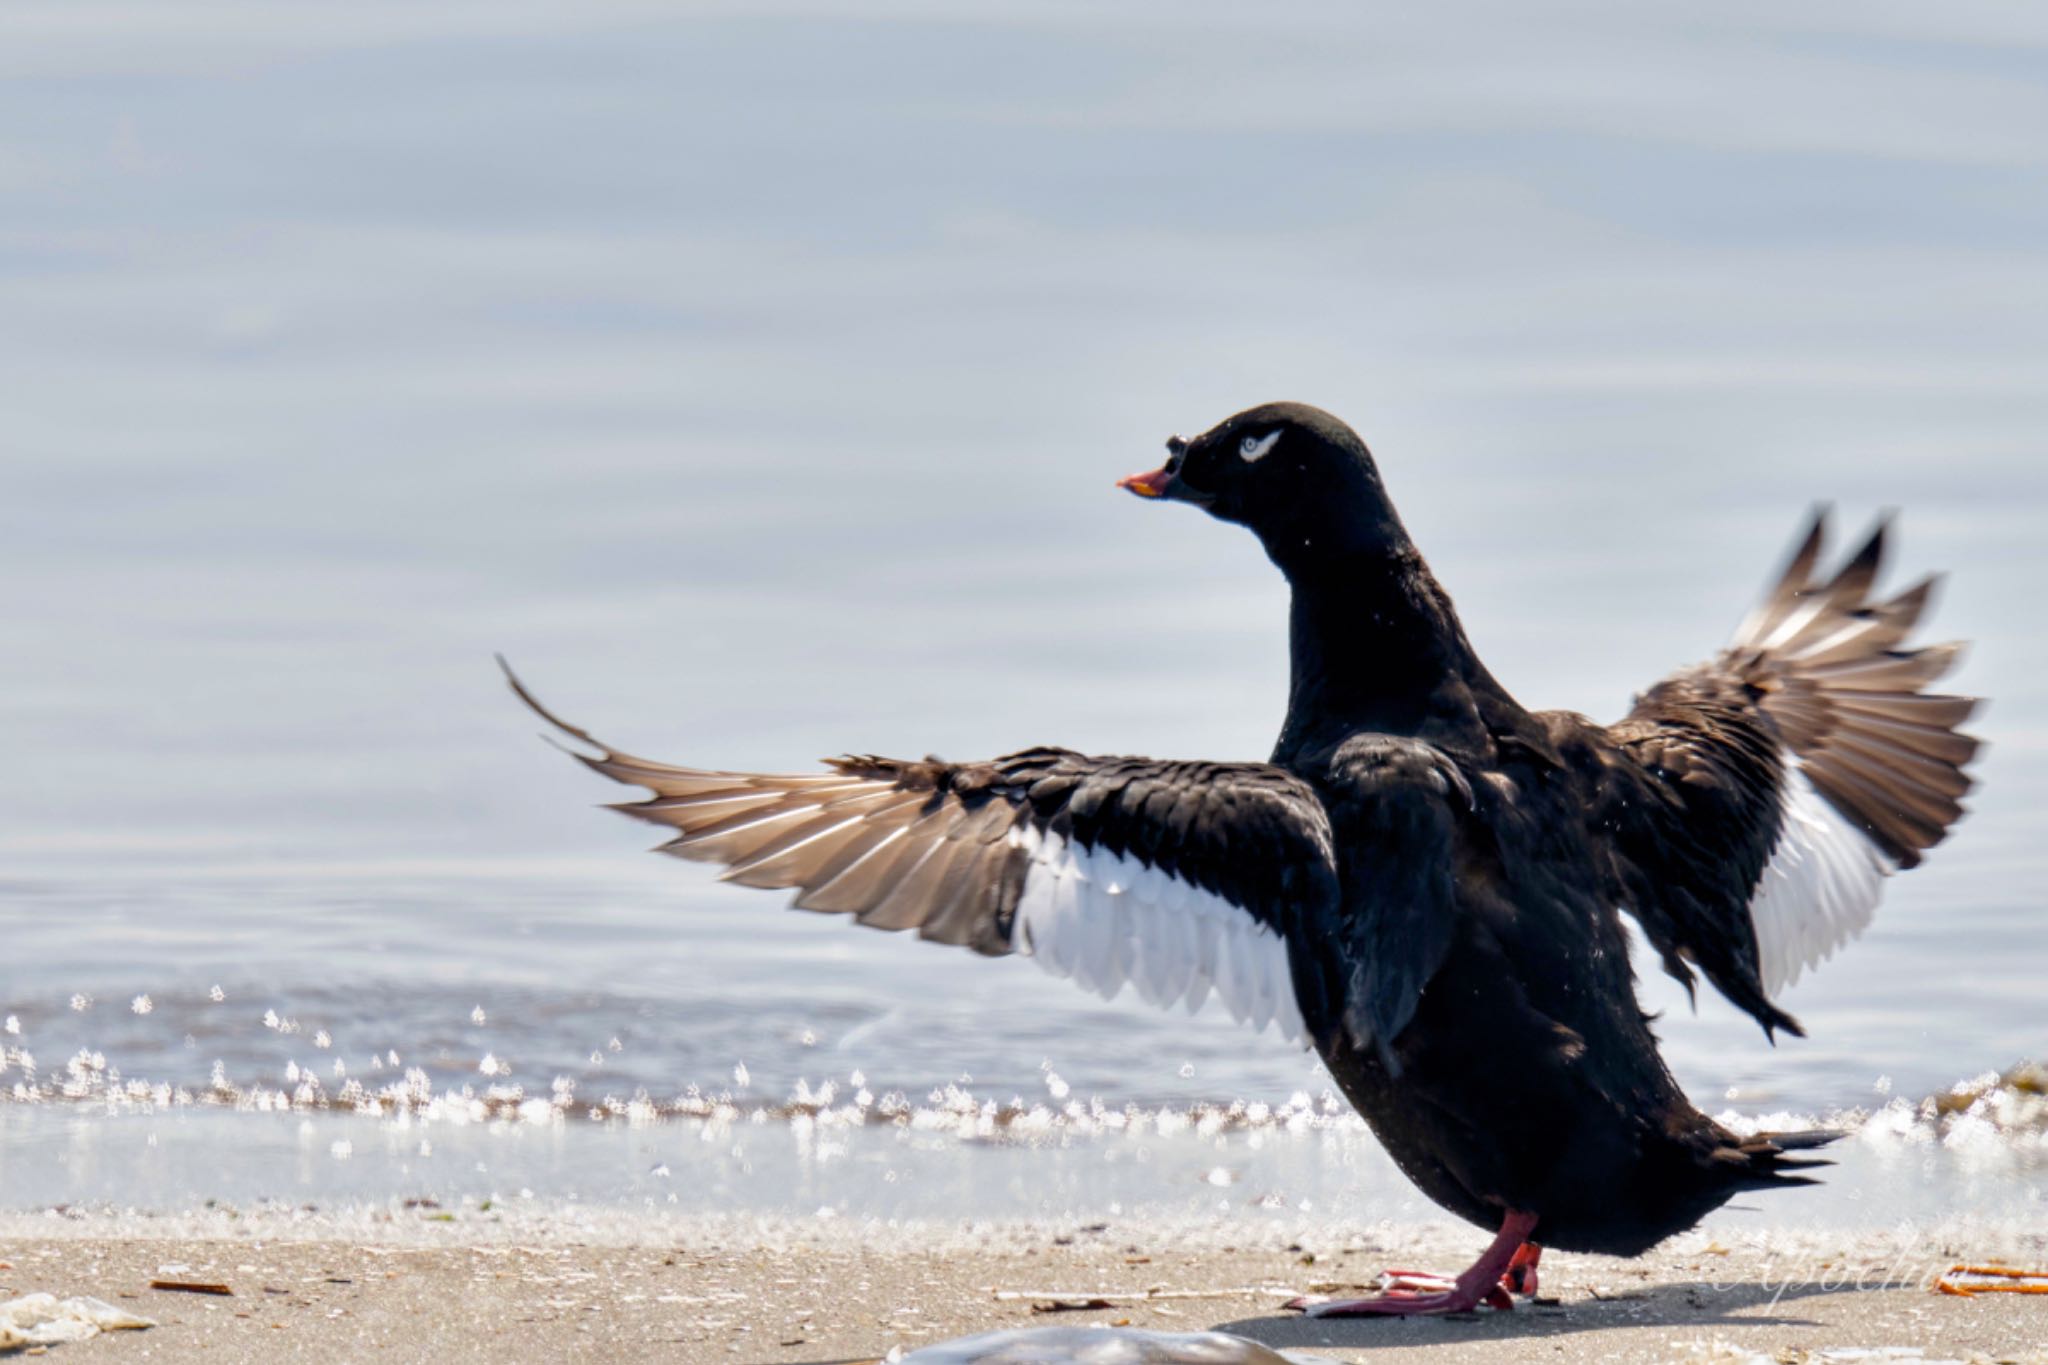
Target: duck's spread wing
1181,879
1755,804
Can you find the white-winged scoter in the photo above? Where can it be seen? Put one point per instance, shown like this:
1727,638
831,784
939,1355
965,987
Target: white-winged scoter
1424,883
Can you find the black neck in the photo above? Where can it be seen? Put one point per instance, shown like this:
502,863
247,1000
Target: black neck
1376,645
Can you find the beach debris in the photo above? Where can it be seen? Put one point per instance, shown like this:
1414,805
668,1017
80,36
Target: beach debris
1968,1281
1727,1353
1608,1294
191,1287
1158,1291
46,1320
1071,1305
1103,1346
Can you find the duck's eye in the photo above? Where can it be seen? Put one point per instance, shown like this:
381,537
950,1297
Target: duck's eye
1258,447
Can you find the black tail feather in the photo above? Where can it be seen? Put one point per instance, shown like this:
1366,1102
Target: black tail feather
1766,1162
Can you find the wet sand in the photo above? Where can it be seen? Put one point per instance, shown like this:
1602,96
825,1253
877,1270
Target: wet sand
799,1291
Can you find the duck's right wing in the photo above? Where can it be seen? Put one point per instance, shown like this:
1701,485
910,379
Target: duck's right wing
1181,878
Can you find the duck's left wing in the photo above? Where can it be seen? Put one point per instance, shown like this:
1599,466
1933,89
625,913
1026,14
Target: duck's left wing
1180,879
1755,804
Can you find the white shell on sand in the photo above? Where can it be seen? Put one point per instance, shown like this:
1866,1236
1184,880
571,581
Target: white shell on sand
46,1320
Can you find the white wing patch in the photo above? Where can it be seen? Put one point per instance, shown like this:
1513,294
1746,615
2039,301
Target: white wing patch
1103,920
1819,890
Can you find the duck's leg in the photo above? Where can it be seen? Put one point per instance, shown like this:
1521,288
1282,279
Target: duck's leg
1509,1264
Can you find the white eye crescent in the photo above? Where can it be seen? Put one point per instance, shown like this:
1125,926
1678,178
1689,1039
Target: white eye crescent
1255,448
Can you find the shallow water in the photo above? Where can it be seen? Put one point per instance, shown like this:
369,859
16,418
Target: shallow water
589,992
939,1158
771,412
651,1047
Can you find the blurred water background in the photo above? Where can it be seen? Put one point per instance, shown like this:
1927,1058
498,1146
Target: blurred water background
755,377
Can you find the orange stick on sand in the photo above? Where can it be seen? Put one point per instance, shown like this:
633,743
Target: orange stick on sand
2001,1280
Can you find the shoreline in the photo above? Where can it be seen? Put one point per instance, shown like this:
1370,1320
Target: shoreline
804,1290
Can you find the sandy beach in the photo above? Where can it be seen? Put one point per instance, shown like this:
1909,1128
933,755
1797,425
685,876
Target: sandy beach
771,380
790,1292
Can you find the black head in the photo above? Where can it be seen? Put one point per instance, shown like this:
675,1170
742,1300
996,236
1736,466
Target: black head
1299,478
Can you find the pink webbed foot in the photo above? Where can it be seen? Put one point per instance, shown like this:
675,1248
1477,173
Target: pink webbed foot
1418,1281
1404,1303
1506,1268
